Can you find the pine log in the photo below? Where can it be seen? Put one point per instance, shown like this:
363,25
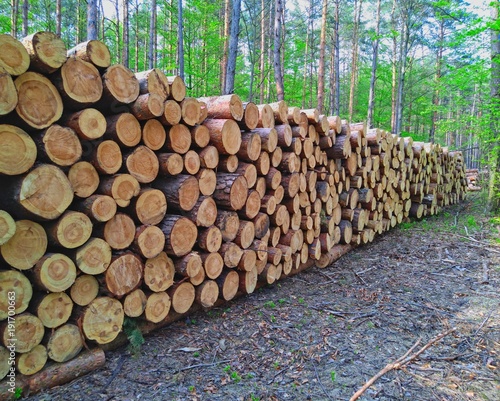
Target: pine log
147,106
15,282
123,128
252,205
228,222
263,164
27,245
142,164
225,135
99,208
118,232
88,123
273,178
228,283
107,157
250,116
250,147
64,343
54,272
231,254
153,81
207,181
102,320
182,191
157,306
266,116
182,295
69,231
248,171
18,151
134,303
284,135
192,162
177,88
14,57
120,86
46,50
154,135
261,186
204,213
170,164
53,309
207,293
270,273
224,107
84,179
209,239
124,274
79,83
28,332
276,157
93,257
172,114
209,157
32,361
149,241
93,51
190,111
180,234
260,248
248,260
39,103
261,224
200,136
213,263
84,290
248,281
228,164
159,272
231,191
346,231
245,234
178,139
189,265
268,137
8,92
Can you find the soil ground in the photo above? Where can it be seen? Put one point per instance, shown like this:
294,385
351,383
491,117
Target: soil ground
321,334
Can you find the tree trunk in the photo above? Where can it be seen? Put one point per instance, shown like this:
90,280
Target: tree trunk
64,343
152,35
16,281
354,61
92,20
180,40
102,320
125,34
225,50
278,69
373,77
233,48
321,67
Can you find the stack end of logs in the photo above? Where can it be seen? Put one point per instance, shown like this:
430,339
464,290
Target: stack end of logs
125,199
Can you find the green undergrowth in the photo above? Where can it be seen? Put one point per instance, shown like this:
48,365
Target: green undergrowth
468,218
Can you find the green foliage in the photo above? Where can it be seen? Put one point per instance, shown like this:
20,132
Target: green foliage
333,376
269,305
134,335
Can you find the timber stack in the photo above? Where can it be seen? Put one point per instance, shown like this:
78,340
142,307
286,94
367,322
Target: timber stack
125,199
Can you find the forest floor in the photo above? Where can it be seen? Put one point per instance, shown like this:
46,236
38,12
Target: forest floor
320,335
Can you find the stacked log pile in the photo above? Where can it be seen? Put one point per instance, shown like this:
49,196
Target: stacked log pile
123,198
472,175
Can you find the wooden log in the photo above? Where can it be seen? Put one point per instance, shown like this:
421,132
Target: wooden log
191,162
228,283
224,107
64,343
157,306
250,116
248,260
252,205
200,136
245,234
84,179
154,135
270,273
15,282
213,263
178,139
207,293
53,309
170,164
189,265
118,232
190,111
159,272
39,103
88,123
106,157
250,147
172,114
27,245
182,296
84,290
120,86
204,213
153,81
79,83
134,303
28,332
18,151
142,164
207,181
273,178
280,111
98,208
93,257
69,231
149,241
260,248
102,320
93,51
231,191
8,99
182,191
284,135
346,231
32,361
225,135
209,239
228,222
180,234
209,157
14,57
46,50
54,272
124,128
248,171
177,88
124,274
266,116
231,254
228,164
147,106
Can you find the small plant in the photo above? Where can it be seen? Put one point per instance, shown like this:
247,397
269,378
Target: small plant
134,336
273,319
281,301
276,365
227,368
254,397
196,354
191,389
269,305
18,393
301,300
370,325
235,376
333,376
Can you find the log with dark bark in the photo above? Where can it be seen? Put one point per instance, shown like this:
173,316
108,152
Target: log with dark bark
46,50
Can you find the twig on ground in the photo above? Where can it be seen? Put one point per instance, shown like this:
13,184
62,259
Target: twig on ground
117,369
321,384
483,323
277,374
202,365
404,360
367,270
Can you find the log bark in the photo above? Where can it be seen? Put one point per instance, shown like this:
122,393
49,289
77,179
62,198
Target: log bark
225,135
182,191
102,320
224,107
46,50
89,123
84,290
231,191
64,343
159,272
180,235
153,81
18,151
39,103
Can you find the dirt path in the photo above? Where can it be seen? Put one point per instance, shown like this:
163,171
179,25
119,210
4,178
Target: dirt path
321,334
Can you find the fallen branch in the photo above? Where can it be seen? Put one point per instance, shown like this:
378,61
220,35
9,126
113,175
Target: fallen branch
202,365
399,363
